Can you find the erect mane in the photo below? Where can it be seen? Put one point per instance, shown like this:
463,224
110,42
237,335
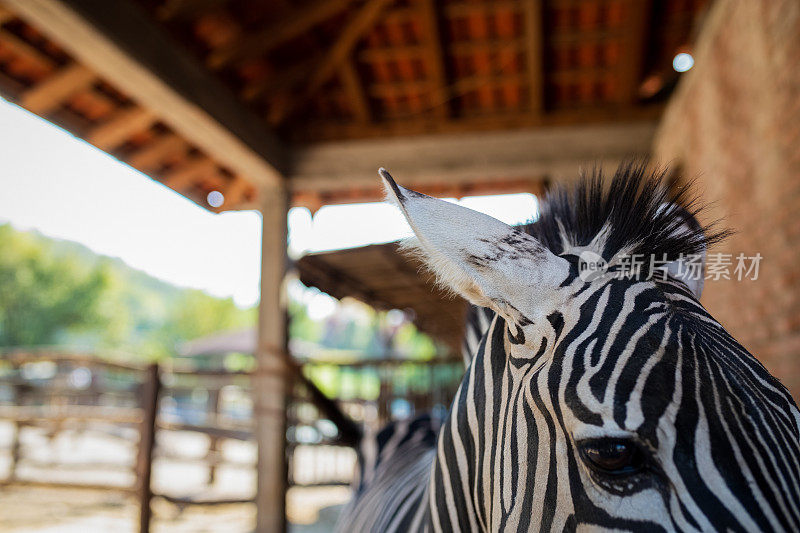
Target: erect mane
633,214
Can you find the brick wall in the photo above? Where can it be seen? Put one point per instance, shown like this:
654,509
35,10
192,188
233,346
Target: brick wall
734,126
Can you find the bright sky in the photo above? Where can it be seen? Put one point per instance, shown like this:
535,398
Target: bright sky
59,185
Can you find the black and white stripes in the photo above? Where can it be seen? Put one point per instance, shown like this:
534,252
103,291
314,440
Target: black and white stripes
613,403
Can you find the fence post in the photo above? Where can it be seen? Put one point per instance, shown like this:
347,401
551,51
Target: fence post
147,434
213,453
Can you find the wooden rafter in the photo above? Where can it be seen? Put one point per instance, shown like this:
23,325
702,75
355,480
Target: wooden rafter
455,49
150,156
281,82
119,42
186,174
361,22
534,48
290,24
354,91
465,9
51,93
120,127
463,85
435,56
235,192
174,9
635,44
5,15
18,46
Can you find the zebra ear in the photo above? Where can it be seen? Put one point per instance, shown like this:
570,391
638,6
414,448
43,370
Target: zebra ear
484,260
692,269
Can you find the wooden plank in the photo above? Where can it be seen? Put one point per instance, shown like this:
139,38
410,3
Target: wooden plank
286,26
235,191
121,44
349,432
635,42
49,94
462,85
534,41
361,22
18,46
151,155
5,15
285,81
117,415
64,485
556,152
354,91
120,127
435,59
415,51
317,131
185,9
186,173
468,9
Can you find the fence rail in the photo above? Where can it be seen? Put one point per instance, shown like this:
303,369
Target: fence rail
56,392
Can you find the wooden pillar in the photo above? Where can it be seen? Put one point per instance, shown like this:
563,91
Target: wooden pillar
271,385
147,439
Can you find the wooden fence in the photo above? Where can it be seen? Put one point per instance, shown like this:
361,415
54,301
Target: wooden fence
57,392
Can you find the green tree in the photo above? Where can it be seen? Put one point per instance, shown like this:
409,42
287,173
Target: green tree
43,294
196,314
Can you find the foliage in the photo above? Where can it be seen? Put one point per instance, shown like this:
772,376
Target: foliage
44,294
59,292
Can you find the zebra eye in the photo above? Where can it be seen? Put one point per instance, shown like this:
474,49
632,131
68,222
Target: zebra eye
615,457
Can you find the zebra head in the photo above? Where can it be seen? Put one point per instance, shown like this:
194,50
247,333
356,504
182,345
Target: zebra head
604,401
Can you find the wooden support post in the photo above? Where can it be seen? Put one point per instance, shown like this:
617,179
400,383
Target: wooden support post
270,384
147,439
15,451
213,454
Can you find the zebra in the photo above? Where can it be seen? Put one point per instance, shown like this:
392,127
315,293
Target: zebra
609,402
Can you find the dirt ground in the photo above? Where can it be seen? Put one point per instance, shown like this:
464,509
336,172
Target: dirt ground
28,509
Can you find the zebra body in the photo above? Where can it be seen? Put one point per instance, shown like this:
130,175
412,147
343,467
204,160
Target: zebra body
613,403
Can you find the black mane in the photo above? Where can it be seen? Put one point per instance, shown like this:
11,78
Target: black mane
643,216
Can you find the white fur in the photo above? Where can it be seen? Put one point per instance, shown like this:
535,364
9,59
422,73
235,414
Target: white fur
484,260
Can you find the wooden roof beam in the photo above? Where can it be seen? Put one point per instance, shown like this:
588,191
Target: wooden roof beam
52,92
153,153
552,152
120,127
286,26
186,174
5,15
635,41
359,24
120,43
460,48
175,9
462,85
355,92
435,56
18,46
534,41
